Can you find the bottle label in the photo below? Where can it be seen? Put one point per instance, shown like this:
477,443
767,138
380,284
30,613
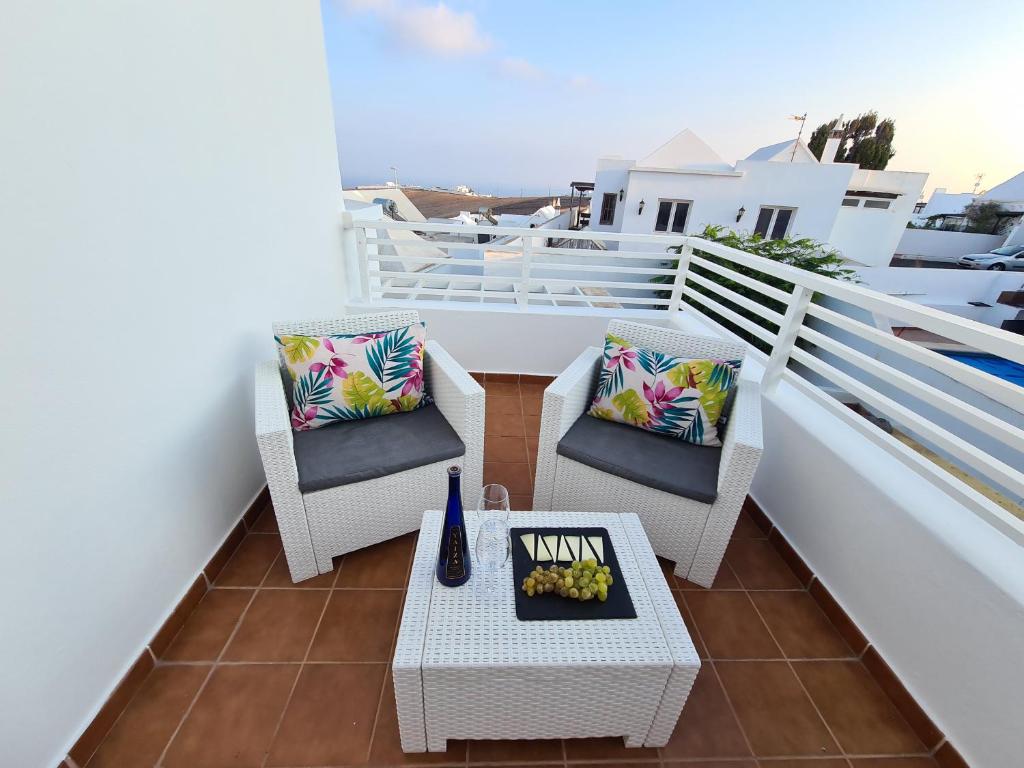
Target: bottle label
456,567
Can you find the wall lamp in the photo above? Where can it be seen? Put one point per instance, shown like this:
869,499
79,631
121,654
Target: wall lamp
640,212
740,212
622,194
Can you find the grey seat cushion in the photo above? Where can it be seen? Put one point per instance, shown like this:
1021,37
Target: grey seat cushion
656,461
353,451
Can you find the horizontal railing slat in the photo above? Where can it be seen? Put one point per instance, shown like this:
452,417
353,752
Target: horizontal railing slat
975,417
476,229
991,467
1010,395
726,293
724,311
768,290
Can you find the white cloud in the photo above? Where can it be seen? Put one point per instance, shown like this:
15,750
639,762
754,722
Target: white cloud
520,68
435,29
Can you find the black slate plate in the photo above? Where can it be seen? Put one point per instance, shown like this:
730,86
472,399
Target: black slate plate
551,607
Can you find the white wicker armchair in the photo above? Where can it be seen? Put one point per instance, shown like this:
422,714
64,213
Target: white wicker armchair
691,533
317,526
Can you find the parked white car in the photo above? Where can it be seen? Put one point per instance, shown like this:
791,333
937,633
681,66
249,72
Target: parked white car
1007,257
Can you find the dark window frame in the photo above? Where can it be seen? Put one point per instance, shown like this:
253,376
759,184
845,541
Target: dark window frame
608,211
770,231
671,224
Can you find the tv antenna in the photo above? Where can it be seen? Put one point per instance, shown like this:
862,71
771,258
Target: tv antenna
803,121
977,181
393,168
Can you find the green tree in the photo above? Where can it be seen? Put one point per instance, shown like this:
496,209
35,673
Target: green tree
983,216
864,141
802,253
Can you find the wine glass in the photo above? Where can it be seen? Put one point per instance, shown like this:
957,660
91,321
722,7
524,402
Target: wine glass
494,503
493,549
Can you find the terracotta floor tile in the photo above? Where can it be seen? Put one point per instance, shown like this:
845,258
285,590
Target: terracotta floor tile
893,687
172,626
505,450
382,565
713,764
791,557
278,626
278,577
892,762
839,618
504,425
251,561
860,715
210,625
532,424
724,579
773,709
533,404
799,625
496,405
358,625
691,625
387,745
532,750
947,756
233,720
759,566
730,626
828,762
139,737
606,749
521,502
267,521
707,727
329,720
515,477
216,564
501,389
746,528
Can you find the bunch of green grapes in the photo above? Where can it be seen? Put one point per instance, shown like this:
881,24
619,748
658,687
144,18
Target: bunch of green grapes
582,580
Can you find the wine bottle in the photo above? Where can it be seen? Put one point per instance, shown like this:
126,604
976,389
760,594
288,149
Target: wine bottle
453,556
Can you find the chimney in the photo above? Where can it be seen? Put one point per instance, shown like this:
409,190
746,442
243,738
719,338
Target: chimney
828,154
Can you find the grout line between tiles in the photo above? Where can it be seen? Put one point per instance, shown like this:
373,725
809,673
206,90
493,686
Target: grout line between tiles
302,664
206,680
792,671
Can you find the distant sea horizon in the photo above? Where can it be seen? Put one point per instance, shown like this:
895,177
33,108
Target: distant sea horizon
497,189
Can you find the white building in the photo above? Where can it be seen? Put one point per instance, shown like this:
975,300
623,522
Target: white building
778,190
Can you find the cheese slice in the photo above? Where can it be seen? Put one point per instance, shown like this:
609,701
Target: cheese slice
597,545
564,555
585,552
529,542
573,542
543,555
551,542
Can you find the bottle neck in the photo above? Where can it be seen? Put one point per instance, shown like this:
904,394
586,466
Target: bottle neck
455,489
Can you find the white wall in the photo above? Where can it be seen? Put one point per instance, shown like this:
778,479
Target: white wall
814,190
940,245
870,235
936,589
169,187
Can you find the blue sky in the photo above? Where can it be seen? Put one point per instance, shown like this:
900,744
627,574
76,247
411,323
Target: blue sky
506,96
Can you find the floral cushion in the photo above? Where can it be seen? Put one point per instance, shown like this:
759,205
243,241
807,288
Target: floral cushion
340,378
670,395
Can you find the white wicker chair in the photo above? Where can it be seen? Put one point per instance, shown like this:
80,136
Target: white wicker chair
317,526
692,534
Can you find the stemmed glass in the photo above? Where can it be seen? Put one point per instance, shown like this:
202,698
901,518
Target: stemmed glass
493,545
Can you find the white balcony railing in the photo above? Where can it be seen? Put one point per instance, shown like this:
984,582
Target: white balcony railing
803,342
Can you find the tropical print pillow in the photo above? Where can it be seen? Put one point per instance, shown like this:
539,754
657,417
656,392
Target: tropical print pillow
340,378
669,395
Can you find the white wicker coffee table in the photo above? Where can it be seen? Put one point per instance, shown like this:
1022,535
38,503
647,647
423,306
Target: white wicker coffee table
466,668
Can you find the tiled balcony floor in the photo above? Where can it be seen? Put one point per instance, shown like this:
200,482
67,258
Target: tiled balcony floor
267,673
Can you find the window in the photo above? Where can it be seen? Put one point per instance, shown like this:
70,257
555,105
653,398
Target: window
608,208
674,212
775,221
851,202
883,204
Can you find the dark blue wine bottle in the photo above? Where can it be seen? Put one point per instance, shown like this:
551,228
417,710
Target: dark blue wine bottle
453,555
